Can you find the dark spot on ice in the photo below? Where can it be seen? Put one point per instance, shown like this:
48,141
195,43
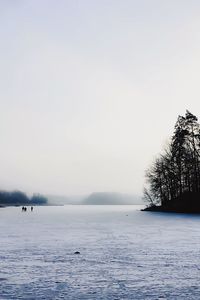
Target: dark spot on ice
3,279
76,252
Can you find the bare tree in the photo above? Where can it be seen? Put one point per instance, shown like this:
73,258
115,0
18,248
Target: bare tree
177,170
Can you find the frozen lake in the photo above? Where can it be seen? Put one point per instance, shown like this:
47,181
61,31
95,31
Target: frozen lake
124,254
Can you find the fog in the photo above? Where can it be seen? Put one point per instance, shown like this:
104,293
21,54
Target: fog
90,90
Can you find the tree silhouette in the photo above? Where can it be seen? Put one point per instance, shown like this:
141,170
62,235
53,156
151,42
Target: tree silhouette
20,198
175,174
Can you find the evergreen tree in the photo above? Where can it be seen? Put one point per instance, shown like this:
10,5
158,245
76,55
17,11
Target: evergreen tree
176,172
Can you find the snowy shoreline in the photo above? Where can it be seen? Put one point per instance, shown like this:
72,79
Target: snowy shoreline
178,210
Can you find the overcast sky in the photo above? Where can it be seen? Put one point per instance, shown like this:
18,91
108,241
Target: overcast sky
90,90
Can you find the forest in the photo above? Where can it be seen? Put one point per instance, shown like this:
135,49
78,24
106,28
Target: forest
16,198
173,180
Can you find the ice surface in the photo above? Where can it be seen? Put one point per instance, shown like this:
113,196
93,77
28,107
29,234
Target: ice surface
124,254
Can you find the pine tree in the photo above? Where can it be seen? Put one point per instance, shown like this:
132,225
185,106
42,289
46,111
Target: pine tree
176,172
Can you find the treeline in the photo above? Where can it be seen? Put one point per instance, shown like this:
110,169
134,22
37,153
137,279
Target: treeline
174,177
20,198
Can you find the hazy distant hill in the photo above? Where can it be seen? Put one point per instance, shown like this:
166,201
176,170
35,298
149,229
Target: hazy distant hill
105,198
98,198
64,200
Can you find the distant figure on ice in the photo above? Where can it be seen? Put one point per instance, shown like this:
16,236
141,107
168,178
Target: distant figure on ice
31,208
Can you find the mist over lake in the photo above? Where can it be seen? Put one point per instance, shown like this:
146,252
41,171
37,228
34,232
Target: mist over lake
99,117
124,253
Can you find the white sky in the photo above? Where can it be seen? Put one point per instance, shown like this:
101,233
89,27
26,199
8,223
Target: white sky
90,90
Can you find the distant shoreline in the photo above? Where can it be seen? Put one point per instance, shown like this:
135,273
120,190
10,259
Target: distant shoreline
74,204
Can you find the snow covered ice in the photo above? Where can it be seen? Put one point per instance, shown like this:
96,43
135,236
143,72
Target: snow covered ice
124,254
